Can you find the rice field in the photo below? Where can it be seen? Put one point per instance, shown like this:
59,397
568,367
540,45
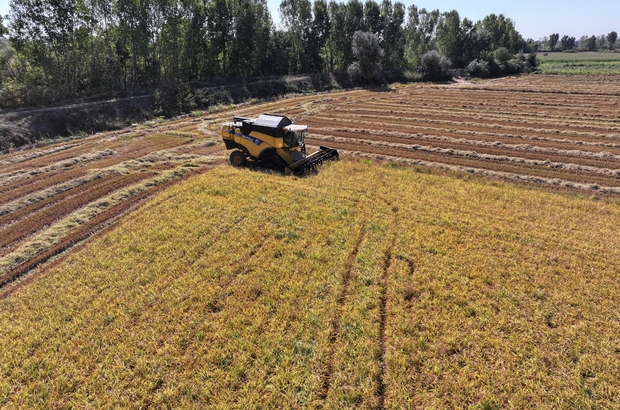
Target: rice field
548,131
463,255
367,286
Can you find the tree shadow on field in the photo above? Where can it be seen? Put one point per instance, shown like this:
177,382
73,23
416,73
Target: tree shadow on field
379,89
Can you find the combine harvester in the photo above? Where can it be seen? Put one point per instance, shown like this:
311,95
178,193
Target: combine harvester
274,142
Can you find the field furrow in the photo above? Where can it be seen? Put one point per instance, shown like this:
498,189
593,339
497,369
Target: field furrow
81,223
440,116
336,325
58,175
498,139
56,208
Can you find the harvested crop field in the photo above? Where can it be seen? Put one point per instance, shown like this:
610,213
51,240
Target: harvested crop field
53,197
367,286
556,132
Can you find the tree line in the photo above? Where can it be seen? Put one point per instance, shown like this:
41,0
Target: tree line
585,43
54,50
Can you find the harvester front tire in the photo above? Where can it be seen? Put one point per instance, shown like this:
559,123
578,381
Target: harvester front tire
237,158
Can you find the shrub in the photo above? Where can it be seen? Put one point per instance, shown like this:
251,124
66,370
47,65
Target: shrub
494,68
478,68
513,66
435,67
502,55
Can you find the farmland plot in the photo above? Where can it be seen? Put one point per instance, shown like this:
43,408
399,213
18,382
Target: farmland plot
556,132
580,63
549,130
53,197
367,286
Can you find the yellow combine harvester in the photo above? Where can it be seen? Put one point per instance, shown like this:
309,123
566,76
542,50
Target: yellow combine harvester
273,141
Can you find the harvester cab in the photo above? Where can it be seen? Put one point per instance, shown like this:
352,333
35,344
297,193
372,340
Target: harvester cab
272,141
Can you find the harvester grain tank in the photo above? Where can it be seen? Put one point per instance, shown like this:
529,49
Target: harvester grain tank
273,141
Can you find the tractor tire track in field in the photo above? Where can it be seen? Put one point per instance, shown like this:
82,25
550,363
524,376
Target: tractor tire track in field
242,268
336,325
216,304
410,263
380,393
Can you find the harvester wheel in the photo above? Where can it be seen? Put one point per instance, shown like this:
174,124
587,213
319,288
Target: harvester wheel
237,158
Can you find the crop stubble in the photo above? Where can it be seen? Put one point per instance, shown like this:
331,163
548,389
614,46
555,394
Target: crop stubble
43,187
561,131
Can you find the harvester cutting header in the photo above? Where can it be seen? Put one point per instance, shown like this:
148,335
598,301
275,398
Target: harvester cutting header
272,141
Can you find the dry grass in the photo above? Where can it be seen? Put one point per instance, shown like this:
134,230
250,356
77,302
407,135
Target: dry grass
55,193
62,228
26,173
365,286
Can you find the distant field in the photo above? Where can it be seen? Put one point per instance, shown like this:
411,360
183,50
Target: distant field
367,286
580,63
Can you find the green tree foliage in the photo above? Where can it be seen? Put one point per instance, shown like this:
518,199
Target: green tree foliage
587,43
503,33
478,69
321,27
372,18
393,39
435,67
475,40
336,42
553,40
421,33
532,46
368,55
3,29
64,49
567,43
611,38
450,37
296,16
591,43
